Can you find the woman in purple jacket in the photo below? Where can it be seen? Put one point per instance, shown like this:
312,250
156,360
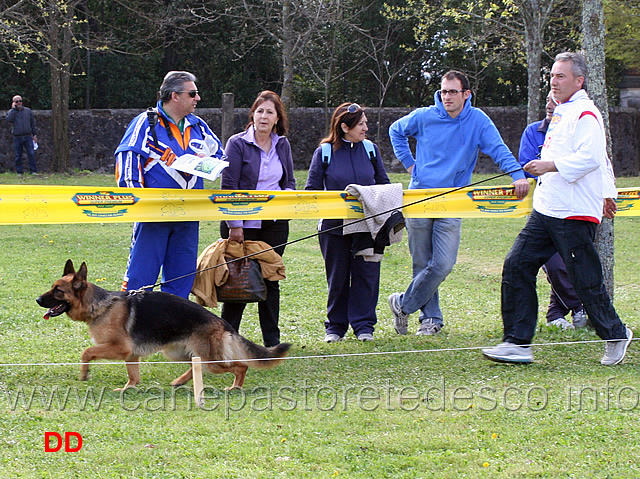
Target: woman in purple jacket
260,159
353,282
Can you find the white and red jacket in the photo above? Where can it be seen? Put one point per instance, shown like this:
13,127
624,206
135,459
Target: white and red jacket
575,142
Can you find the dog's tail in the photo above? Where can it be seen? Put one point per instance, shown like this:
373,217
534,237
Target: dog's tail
266,357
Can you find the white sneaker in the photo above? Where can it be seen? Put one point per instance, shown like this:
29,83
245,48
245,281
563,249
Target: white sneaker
428,328
560,323
365,337
333,338
400,319
509,353
614,351
579,319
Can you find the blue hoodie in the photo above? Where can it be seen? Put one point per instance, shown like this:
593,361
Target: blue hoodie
447,148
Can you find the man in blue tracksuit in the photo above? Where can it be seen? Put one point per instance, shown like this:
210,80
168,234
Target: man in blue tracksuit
143,160
449,135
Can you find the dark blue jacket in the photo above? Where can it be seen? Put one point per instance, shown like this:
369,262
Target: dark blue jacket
23,121
349,164
531,143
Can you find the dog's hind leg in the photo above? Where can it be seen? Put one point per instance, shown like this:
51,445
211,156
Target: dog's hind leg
239,373
186,377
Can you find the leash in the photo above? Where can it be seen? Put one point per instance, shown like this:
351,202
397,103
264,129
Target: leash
453,190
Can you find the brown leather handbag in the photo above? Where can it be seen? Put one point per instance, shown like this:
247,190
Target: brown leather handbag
245,283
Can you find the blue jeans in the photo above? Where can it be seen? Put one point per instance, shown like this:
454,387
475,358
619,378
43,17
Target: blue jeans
26,142
538,241
433,243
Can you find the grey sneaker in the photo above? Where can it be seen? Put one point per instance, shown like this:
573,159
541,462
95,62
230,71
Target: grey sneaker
400,319
579,319
333,338
509,353
428,328
560,323
614,351
365,337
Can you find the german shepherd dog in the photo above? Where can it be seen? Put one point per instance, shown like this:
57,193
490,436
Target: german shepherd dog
128,325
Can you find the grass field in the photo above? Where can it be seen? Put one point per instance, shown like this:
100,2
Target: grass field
401,406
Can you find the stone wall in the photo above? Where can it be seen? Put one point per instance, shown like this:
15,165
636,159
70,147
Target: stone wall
94,135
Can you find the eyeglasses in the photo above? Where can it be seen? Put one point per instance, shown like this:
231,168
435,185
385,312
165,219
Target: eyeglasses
451,92
354,107
192,93
18,101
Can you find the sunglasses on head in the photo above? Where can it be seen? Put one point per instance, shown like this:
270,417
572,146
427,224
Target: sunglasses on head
192,93
354,107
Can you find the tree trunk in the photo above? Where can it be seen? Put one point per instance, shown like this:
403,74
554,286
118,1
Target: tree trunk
287,56
593,32
533,39
60,64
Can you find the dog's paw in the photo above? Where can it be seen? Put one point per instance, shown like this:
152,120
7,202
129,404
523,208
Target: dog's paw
233,388
127,386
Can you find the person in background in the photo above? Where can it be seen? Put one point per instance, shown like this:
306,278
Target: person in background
575,189
449,135
563,299
260,159
149,146
24,133
353,282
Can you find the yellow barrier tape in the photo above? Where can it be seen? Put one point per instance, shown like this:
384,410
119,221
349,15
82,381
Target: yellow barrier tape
20,204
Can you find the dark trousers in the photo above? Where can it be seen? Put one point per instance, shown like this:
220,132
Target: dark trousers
273,233
538,241
563,298
24,142
353,287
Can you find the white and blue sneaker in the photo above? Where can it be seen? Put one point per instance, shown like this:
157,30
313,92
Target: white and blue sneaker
400,319
509,353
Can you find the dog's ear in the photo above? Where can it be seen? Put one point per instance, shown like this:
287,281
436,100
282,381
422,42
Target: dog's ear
80,278
68,268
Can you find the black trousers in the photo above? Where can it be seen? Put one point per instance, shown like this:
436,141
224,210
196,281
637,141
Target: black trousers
538,241
273,233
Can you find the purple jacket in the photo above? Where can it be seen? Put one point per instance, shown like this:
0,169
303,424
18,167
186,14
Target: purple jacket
244,164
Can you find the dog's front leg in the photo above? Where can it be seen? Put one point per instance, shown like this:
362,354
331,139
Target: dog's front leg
108,351
84,371
183,379
133,370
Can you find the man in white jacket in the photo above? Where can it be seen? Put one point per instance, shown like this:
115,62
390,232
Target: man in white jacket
575,189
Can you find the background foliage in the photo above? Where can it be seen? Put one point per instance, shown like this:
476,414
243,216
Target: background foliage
380,53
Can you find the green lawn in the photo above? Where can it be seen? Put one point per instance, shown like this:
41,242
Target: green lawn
401,406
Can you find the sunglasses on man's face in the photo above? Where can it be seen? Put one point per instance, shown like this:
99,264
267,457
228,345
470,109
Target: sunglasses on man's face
192,93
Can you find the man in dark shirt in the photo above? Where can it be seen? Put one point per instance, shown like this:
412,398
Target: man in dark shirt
24,133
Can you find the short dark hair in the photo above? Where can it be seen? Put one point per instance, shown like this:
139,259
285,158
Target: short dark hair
282,125
578,64
458,75
173,82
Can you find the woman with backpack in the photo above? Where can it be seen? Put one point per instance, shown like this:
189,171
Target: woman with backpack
346,157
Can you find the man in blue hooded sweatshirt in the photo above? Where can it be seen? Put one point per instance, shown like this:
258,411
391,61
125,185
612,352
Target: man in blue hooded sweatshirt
449,135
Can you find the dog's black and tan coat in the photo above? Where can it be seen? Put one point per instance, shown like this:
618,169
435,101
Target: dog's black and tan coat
129,325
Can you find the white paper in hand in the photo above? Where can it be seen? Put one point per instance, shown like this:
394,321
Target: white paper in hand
206,167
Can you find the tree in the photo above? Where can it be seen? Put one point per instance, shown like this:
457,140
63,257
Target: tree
623,31
593,41
45,28
482,34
